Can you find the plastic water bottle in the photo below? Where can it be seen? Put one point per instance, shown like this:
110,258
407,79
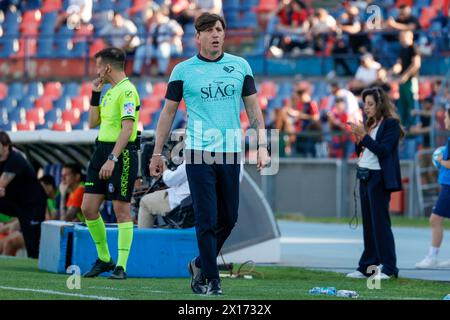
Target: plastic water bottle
447,297
330,291
347,294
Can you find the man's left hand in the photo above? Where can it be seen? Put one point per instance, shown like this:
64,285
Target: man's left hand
263,158
106,170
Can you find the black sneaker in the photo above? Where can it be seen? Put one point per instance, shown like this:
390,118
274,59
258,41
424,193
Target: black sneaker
214,287
99,267
118,274
198,281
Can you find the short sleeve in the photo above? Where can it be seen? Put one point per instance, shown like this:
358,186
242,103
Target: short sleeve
248,87
175,85
128,104
76,198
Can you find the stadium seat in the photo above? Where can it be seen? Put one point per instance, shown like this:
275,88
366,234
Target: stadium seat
274,103
438,5
53,89
159,89
404,2
179,121
428,13
8,46
71,116
44,102
84,117
3,90
71,89
123,5
16,90
154,122
9,126
48,23
53,116
80,49
26,126
96,46
248,4
425,89
144,89
103,5
8,103
27,47
232,18
17,114
153,103
82,125
26,102
62,126
62,103
11,23
249,20
35,115
266,6
35,89
86,88
30,21
145,116
51,6
45,46
81,103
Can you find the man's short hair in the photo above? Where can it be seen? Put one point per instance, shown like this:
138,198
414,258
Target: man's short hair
48,180
74,167
114,56
5,140
207,20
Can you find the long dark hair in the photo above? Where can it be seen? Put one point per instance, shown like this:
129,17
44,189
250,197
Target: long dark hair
384,108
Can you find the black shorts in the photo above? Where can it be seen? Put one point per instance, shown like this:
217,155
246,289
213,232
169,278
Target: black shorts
120,185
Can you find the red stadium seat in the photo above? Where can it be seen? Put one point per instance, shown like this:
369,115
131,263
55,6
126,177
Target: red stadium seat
244,120
62,126
26,126
407,2
159,89
266,6
36,115
81,103
44,102
394,94
268,89
86,89
53,89
138,5
96,46
145,116
438,5
84,31
428,13
153,103
71,116
30,20
27,47
3,90
51,5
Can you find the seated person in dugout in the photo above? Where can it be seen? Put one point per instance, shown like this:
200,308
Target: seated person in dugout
162,202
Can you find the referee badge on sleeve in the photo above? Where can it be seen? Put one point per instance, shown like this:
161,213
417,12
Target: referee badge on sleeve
129,109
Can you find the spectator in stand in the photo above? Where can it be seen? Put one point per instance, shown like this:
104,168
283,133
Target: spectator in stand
72,191
78,12
211,6
121,33
292,31
352,108
164,42
182,11
285,121
322,25
424,125
350,25
48,183
337,120
366,74
407,68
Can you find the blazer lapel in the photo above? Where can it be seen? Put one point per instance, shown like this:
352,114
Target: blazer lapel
380,130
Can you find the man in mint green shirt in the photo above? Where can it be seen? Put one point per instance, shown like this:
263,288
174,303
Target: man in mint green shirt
212,84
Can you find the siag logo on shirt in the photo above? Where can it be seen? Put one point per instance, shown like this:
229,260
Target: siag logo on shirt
128,109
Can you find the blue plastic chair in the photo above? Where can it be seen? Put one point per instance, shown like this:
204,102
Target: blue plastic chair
17,115
16,90
71,89
53,115
35,89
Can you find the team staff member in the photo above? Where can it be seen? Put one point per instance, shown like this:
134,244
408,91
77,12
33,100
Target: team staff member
379,175
21,194
212,84
113,167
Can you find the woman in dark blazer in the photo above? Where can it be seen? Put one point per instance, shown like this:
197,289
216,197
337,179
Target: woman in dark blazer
379,175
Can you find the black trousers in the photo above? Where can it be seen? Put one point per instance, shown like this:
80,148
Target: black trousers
379,245
30,218
215,197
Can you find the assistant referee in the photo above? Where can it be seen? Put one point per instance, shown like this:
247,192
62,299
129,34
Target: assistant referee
114,165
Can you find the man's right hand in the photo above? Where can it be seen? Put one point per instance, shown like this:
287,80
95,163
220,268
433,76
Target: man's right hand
97,84
156,166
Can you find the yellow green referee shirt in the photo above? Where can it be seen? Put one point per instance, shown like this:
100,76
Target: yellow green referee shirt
120,102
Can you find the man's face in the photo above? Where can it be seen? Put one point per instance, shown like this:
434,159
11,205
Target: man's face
117,20
68,178
212,39
404,13
102,69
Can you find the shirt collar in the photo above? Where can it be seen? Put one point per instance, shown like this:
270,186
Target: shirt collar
208,60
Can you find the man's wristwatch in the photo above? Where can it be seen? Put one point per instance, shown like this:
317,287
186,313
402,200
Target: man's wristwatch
113,157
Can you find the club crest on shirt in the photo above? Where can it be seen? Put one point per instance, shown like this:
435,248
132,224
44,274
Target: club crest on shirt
228,69
128,109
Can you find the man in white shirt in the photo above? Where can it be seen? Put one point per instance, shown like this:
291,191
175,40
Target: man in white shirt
121,33
163,201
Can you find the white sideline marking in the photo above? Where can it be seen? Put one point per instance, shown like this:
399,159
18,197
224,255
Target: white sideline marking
59,293
294,240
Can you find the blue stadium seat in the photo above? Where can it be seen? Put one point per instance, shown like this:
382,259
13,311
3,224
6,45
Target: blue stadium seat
232,19
42,126
7,46
248,4
54,169
26,102
71,89
17,115
82,125
48,22
3,115
45,46
35,89
53,115
103,5
285,89
62,39
62,103
84,117
11,23
8,103
8,126
189,29
16,90
249,20
144,88
155,117
274,103
123,5
231,5
179,120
